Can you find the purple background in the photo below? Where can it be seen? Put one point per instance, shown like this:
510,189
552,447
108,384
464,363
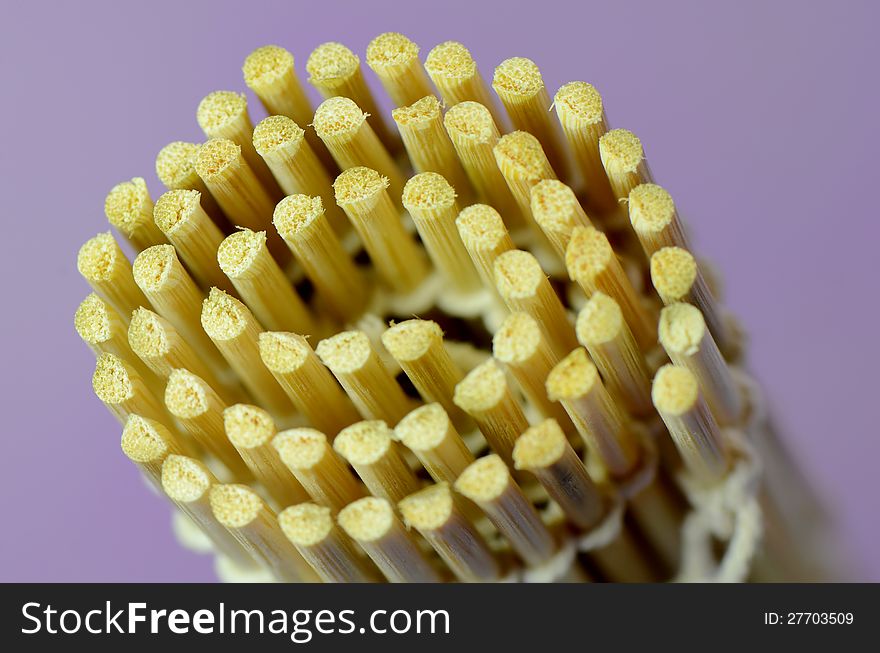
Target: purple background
760,117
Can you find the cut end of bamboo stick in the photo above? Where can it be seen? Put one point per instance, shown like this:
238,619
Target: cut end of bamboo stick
484,480
600,320
345,352
283,352
295,213
364,443
540,446
235,506
428,191
675,390
265,66
673,273
152,267
248,426
238,252
126,204
588,254
450,60
554,206
300,448
174,208
148,334
410,340
621,151
358,184
223,317
682,329
338,117
216,157
330,62
420,112
517,339
517,77
92,320
481,389
219,109
518,274
519,154
98,257
428,509
186,395
144,440
651,208
391,50
306,524
470,121
573,377
185,479
112,381
176,164
277,133
481,227
367,519
423,428
578,105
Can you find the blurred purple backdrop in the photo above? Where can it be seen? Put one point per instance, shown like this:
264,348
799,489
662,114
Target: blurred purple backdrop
760,118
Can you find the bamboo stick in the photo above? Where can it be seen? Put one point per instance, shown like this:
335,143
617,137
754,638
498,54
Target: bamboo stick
372,524
129,208
484,395
199,411
417,345
485,238
654,219
253,523
176,169
677,278
102,328
251,429
293,160
187,482
488,483
162,349
689,344
319,469
433,513
592,264
369,447
329,551
455,74
558,212
582,117
395,60
224,115
431,201
148,443
364,196
119,386
245,259
693,428
428,432
343,127
336,71
309,384
526,353
602,330
474,134
235,331
303,224
357,367
524,287
428,145
519,84
102,263
232,181
544,451
624,161
522,163
575,382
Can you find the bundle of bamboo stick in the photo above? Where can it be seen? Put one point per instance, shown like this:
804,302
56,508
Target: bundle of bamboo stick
568,403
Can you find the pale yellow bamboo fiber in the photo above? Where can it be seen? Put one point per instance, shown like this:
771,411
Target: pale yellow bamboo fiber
455,74
104,266
129,208
624,161
148,443
176,169
558,212
485,238
395,60
654,219
428,432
